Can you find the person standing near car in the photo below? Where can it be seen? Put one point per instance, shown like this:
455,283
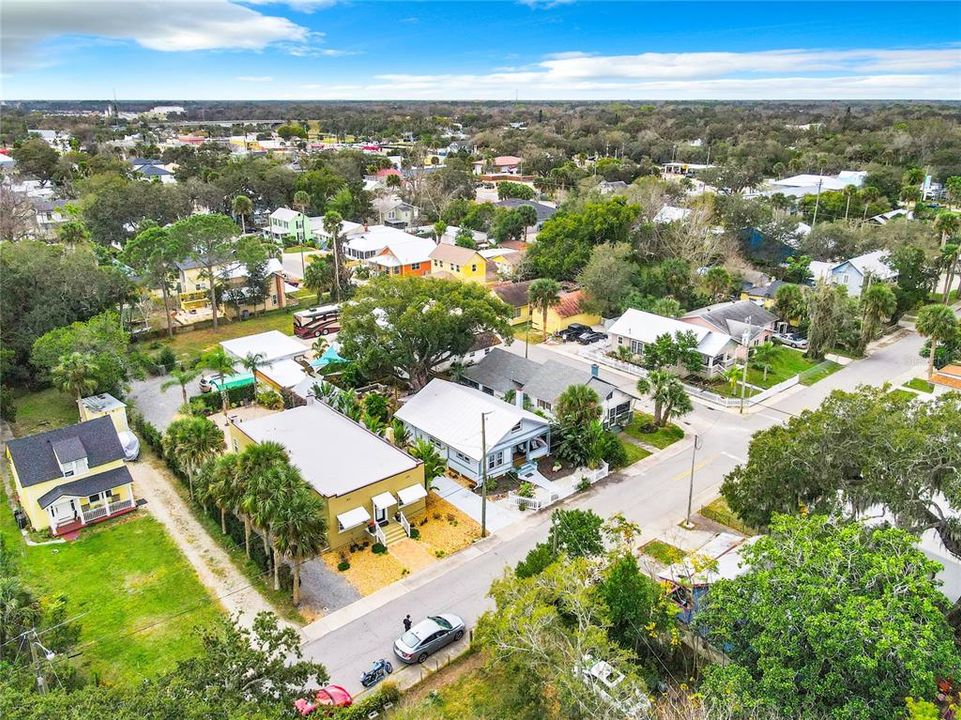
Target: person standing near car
407,624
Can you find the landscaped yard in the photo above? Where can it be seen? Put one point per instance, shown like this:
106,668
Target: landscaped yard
44,410
635,453
521,333
785,363
819,372
660,438
920,384
903,394
663,552
719,512
192,344
138,600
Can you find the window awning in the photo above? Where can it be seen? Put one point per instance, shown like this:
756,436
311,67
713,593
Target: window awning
353,518
384,501
411,494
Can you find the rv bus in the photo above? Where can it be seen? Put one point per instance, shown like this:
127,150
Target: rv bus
315,321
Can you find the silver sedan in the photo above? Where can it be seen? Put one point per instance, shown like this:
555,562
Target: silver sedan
428,636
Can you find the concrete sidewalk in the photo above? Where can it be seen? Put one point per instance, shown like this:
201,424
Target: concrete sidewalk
469,503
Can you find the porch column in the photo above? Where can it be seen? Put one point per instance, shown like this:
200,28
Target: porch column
79,510
105,501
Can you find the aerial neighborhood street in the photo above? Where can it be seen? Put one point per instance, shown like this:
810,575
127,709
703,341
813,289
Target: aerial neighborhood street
472,361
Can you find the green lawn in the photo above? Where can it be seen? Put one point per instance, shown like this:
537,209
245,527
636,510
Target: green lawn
139,598
920,385
44,410
819,372
634,452
191,344
903,394
663,552
660,438
521,333
719,512
785,363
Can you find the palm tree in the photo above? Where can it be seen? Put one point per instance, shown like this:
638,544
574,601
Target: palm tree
947,223
717,280
301,201
440,227
434,464
242,206
255,460
762,355
936,322
869,194
300,531
253,362
542,295
333,224
878,302
182,377
76,374
221,484
398,433
191,442
218,361
267,495
950,257
656,385
318,275
578,405
733,374
320,345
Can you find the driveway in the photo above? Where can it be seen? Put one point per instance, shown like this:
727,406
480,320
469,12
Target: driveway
469,503
293,265
156,405
323,590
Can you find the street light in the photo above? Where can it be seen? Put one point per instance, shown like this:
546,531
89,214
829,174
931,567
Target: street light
484,472
698,443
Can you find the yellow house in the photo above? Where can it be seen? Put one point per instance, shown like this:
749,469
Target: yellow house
192,288
372,489
515,295
71,477
458,262
763,295
566,311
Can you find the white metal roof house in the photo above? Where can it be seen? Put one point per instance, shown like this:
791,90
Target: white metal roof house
273,344
635,329
450,415
856,273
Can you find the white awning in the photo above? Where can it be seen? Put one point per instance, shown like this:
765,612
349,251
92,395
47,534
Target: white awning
411,494
353,518
384,501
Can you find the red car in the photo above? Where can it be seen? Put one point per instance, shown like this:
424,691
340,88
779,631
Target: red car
329,696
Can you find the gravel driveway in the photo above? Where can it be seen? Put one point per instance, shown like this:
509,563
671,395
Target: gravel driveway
324,590
156,405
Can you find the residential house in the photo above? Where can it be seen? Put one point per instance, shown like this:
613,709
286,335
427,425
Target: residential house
290,227
458,262
808,184
609,187
500,165
515,294
404,257
746,322
71,477
763,295
669,214
348,230
273,346
683,169
400,215
370,487
156,172
193,288
635,329
544,212
368,241
450,416
568,309
50,215
484,344
501,373
504,260
450,234
886,217
856,273
106,405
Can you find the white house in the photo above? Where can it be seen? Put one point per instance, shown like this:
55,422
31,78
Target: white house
450,416
635,329
856,273
368,241
273,345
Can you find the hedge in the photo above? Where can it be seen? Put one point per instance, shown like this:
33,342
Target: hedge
235,396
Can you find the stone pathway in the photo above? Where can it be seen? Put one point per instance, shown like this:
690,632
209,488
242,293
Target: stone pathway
214,567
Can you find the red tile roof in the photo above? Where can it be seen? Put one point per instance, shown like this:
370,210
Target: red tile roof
569,303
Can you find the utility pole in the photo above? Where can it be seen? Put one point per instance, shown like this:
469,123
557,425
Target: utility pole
747,340
698,443
484,473
817,204
34,642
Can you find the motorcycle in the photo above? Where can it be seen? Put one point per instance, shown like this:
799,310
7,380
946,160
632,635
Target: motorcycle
379,669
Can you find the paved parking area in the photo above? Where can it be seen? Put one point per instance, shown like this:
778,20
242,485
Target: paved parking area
469,503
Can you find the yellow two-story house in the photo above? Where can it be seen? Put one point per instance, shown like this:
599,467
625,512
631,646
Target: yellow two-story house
373,490
459,263
71,477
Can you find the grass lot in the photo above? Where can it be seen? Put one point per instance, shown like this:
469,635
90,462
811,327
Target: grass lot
819,372
660,438
719,512
44,410
663,552
520,333
192,344
903,394
920,384
635,453
141,598
786,363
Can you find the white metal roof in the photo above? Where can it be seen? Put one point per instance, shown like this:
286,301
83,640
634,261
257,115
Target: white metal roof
284,214
647,327
873,263
406,252
285,373
273,344
377,237
669,213
452,414
353,518
335,455
411,494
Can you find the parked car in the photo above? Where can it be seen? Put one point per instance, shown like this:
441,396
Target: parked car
331,696
205,384
791,340
428,636
572,331
591,337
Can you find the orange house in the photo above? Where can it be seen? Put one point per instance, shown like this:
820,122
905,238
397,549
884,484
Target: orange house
404,257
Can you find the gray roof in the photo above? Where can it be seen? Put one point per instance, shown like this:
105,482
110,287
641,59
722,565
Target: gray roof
732,318
68,449
502,371
152,171
543,211
90,485
514,294
769,290
34,457
553,378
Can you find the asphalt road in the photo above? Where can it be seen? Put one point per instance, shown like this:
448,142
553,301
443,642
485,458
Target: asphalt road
653,493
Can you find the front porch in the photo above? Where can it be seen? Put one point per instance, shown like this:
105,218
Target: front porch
71,522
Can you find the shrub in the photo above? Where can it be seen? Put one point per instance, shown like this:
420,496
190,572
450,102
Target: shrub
612,450
147,431
525,490
195,407
167,358
379,549
540,556
583,484
8,411
414,534
343,565
270,399
385,695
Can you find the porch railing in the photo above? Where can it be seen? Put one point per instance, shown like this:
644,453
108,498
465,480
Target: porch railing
102,511
121,505
404,523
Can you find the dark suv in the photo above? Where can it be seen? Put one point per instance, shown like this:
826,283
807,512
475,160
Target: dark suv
573,331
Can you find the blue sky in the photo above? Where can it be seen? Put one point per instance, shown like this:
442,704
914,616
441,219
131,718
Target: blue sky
326,49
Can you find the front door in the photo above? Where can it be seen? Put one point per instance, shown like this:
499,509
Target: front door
380,515
63,511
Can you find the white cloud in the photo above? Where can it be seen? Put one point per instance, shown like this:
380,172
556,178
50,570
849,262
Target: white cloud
29,26
255,78
304,6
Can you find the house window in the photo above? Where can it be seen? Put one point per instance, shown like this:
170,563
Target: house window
415,266
273,299
93,498
457,268
462,457
493,460
517,312
516,428
637,347
68,473
436,263
473,268
544,405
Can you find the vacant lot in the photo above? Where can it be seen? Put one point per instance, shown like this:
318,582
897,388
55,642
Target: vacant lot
44,410
784,363
137,600
191,344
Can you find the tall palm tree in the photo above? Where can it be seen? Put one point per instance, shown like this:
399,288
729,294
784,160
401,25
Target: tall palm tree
542,294
878,303
242,206
578,405
950,259
434,464
300,531
656,385
936,322
254,461
192,442
76,374
219,362
267,495
947,223
333,224
182,377
301,201
222,483
253,362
